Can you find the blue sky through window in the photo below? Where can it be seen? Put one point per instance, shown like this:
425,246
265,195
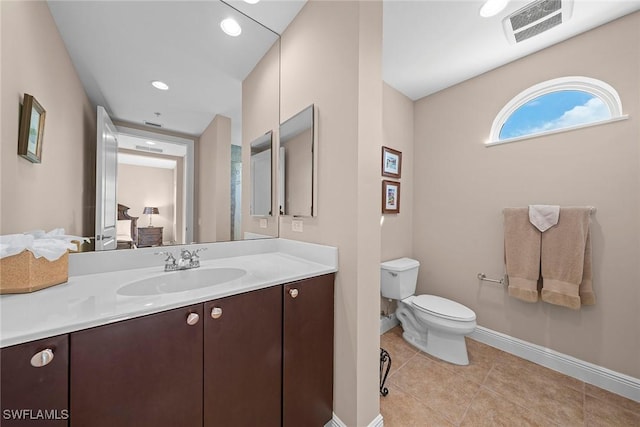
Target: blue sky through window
555,110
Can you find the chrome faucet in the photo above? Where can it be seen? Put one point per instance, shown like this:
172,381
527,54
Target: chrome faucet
188,259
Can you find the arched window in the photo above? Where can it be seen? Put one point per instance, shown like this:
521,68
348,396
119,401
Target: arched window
554,106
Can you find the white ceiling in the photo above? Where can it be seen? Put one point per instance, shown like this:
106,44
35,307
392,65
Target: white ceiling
118,47
429,45
151,162
131,142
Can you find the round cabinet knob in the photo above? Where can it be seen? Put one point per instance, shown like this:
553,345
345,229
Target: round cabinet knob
42,358
293,293
192,319
216,312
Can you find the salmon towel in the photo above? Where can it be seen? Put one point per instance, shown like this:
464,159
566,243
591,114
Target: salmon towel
566,260
521,254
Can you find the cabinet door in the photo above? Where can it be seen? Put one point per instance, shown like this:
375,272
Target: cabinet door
243,359
140,372
308,352
35,392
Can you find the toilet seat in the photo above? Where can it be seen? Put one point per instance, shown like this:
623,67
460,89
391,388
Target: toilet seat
442,307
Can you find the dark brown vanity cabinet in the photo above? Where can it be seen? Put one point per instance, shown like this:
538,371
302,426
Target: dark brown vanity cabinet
308,352
141,372
262,358
34,384
242,359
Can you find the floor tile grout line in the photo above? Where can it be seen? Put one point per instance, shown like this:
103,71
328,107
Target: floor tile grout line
584,406
487,376
401,366
475,396
424,403
506,397
609,402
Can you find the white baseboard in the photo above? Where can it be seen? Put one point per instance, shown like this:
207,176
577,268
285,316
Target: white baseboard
377,422
337,422
604,378
388,322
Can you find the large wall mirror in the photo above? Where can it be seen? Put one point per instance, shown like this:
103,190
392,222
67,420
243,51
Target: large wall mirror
297,164
186,101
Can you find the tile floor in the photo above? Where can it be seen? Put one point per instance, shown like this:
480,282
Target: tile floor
495,389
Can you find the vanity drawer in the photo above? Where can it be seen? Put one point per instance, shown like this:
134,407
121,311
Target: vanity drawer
149,236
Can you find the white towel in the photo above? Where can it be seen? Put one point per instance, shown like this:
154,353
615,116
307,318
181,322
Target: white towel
543,217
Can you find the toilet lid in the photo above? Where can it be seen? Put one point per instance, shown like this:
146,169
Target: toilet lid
443,307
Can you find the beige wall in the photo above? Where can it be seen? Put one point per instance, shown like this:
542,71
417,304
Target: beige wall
397,126
397,229
214,182
59,192
260,114
140,186
461,188
331,57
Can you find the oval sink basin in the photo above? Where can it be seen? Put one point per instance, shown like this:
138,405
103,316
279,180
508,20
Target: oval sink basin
181,281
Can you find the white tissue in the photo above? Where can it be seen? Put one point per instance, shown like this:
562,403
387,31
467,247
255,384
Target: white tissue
51,245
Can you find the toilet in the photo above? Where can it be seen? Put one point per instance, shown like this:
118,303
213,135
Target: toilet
433,324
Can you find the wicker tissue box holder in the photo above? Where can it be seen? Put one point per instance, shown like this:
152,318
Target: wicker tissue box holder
24,273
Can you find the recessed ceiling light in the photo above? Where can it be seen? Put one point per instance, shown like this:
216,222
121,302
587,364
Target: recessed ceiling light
160,85
150,143
231,27
492,8
252,1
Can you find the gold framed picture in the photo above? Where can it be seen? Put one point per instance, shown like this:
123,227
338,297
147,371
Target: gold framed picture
390,197
391,162
31,130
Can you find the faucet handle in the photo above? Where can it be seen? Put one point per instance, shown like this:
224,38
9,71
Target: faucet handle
195,252
170,262
169,255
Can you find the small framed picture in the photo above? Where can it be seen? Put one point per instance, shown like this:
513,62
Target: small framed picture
391,162
31,129
390,197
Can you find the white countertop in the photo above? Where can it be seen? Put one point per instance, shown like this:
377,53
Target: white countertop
90,300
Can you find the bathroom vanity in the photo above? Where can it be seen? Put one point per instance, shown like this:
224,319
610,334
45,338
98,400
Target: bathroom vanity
254,350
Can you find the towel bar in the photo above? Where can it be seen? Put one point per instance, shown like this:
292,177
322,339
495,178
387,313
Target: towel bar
482,276
592,209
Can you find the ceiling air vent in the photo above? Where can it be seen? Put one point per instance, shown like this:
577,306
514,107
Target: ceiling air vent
148,123
150,149
536,18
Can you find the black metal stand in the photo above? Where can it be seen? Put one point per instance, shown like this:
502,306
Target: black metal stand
385,366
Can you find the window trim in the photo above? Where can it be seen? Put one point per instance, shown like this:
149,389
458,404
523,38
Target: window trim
598,88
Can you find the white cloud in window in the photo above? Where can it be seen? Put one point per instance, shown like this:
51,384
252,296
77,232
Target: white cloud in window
592,111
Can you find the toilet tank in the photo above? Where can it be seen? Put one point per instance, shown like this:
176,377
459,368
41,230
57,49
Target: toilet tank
398,278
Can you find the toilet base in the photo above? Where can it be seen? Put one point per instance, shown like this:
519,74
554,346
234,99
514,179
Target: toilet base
445,345
450,348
